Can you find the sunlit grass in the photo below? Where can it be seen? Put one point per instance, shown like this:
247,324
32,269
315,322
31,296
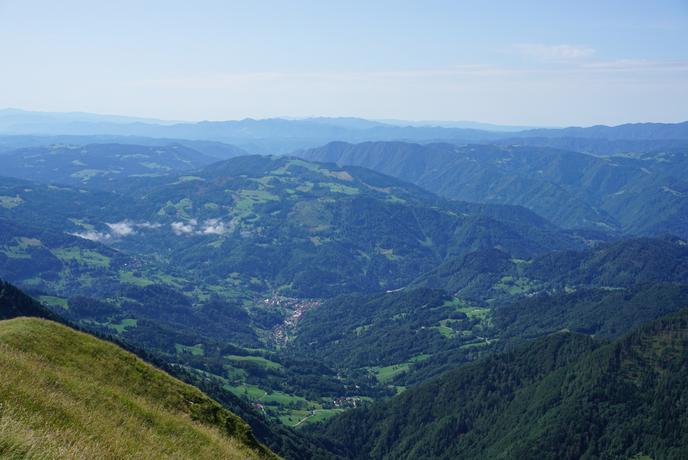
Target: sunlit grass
65,394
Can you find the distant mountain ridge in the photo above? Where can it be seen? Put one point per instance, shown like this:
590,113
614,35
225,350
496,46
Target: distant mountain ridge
630,131
101,165
217,150
643,195
279,135
10,118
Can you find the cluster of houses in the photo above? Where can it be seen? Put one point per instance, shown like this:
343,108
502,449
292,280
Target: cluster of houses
297,307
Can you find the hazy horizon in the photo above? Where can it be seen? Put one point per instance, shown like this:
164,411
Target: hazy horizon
391,121
527,64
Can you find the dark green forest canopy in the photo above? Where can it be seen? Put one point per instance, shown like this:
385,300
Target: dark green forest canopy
564,396
14,303
492,274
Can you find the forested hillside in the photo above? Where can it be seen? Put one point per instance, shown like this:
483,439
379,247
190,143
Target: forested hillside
562,397
102,166
493,276
14,303
275,223
636,194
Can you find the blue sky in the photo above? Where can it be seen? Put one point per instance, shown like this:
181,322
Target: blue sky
540,63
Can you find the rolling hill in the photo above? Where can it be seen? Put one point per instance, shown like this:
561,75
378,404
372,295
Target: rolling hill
234,270
281,221
207,268
405,337
217,150
490,275
275,223
102,166
641,195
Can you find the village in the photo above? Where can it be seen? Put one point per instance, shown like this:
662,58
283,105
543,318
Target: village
297,307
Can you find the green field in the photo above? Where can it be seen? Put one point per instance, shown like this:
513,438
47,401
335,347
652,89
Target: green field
10,201
515,286
134,278
481,313
123,325
445,330
339,188
195,350
259,360
83,257
387,373
290,410
181,208
270,398
21,247
304,417
53,301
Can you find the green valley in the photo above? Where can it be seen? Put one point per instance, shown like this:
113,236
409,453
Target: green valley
344,230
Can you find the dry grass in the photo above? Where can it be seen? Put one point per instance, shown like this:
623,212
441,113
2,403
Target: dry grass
68,395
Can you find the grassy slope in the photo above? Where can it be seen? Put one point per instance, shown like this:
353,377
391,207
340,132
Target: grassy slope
65,394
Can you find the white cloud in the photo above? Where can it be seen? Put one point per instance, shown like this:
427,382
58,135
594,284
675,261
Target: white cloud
126,228
93,236
184,228
208,227
213,227
554,52
149,225
121,229
636,65
116,230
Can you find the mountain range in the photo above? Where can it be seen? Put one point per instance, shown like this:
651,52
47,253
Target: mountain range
282,135
643,194
370,289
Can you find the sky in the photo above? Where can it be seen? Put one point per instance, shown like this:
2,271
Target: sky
534,63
